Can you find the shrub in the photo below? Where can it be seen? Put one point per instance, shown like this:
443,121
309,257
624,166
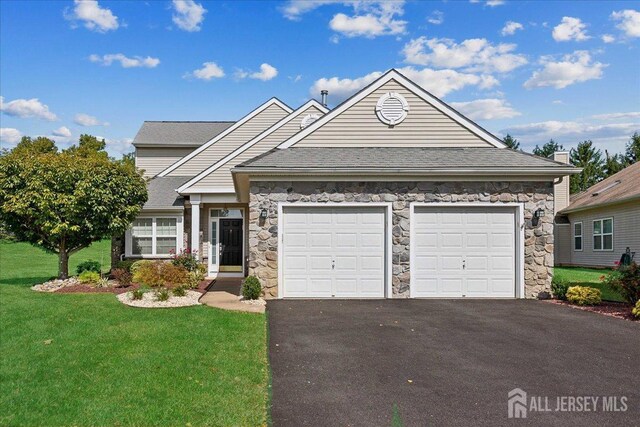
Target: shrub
584,295
636,310
137,294
559,288
123,276
251,288
89,265
625,280
186,259
125,265
180,291
160,273
89,277
162,294
137,264
103,282
195,277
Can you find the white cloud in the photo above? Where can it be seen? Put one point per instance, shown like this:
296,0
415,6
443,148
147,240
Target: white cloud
570,29
94,17
617,116
87,120
510,28
573,68
125,62
188,15
490,3
118,147
438,82
628,22
608,38
557,102
27,108
486,109
371,19
436,17
295,78
208,71
62,131
267,72
294,9
471,55
10,136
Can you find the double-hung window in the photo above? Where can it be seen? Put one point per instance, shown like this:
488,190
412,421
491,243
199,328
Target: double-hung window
154,236
577,236
603,234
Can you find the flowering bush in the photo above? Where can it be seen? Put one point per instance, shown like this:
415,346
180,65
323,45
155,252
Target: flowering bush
186,259
625,280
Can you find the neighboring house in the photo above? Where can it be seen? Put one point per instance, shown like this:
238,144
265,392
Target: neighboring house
391,194
599,224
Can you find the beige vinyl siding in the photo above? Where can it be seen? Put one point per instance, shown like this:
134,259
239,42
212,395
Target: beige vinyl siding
626,233
233,140
561,189
155,160
221,178
563,244
359,126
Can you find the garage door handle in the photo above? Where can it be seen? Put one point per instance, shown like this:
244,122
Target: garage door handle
464,264
333,265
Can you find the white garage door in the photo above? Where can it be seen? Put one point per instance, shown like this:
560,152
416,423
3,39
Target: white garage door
333,252
463,252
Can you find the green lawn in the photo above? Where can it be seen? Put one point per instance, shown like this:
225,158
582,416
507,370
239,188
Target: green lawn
86,359
579,276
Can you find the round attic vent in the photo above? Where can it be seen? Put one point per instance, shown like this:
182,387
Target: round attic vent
308,119
392,108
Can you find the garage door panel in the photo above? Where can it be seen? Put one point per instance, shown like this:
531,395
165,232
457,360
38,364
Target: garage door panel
320,287
319,264
463,252
319,240
371,240
346,240
371,287
346,264
372,264
296,263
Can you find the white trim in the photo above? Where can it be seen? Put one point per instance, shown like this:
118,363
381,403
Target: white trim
519,237
573,236
251,143
381,113
388,226
602,234
236,125
128,245
417,90
228,190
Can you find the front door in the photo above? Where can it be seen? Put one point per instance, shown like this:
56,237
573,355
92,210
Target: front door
231,243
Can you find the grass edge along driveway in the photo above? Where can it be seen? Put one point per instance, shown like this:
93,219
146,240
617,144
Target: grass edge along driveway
583,276
86,359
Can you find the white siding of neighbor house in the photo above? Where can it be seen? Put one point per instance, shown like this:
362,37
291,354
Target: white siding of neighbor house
626,233
230,142
156,159
221,178
562,244
359,126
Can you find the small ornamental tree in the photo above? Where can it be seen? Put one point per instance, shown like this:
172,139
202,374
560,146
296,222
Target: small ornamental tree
62,201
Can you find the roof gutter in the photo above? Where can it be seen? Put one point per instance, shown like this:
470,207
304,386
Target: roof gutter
522,171
599,205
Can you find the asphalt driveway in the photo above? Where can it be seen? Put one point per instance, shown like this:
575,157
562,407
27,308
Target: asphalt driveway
446,362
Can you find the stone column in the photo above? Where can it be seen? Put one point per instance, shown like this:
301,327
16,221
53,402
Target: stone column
195,224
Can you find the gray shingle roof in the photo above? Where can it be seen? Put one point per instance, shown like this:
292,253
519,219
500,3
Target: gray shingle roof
183,134
162,192
397,158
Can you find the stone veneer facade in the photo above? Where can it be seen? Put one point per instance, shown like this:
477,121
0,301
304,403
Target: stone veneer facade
263,234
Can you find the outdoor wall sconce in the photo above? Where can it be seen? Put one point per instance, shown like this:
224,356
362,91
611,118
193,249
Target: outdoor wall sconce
539,213
263,214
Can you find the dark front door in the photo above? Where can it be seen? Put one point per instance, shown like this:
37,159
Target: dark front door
231,242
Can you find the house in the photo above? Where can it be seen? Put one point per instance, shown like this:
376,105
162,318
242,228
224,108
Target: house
595,227
392,194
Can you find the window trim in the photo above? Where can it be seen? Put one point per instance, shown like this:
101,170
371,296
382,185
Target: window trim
581,235
602,234
179,236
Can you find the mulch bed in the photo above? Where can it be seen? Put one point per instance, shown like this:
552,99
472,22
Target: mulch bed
88,289
608,308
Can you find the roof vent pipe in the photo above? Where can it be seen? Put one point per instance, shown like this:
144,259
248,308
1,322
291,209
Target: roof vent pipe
324,94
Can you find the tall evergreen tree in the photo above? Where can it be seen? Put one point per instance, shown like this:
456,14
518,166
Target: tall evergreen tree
511,142
632,153
548,149
613,164
589,158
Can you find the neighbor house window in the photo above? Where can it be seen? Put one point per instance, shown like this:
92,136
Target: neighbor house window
577,236
603,234
154,236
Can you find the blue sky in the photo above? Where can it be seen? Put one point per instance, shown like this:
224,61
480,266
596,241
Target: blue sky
567,70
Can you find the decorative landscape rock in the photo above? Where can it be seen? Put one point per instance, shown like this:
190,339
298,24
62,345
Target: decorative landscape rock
149,300
538,241
56,284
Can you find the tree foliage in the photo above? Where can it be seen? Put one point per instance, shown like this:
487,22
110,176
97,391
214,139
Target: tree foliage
548,149
65,200
589,158
511,142
613,163
632,153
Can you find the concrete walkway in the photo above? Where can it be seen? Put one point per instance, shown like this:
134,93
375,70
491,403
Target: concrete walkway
224,294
